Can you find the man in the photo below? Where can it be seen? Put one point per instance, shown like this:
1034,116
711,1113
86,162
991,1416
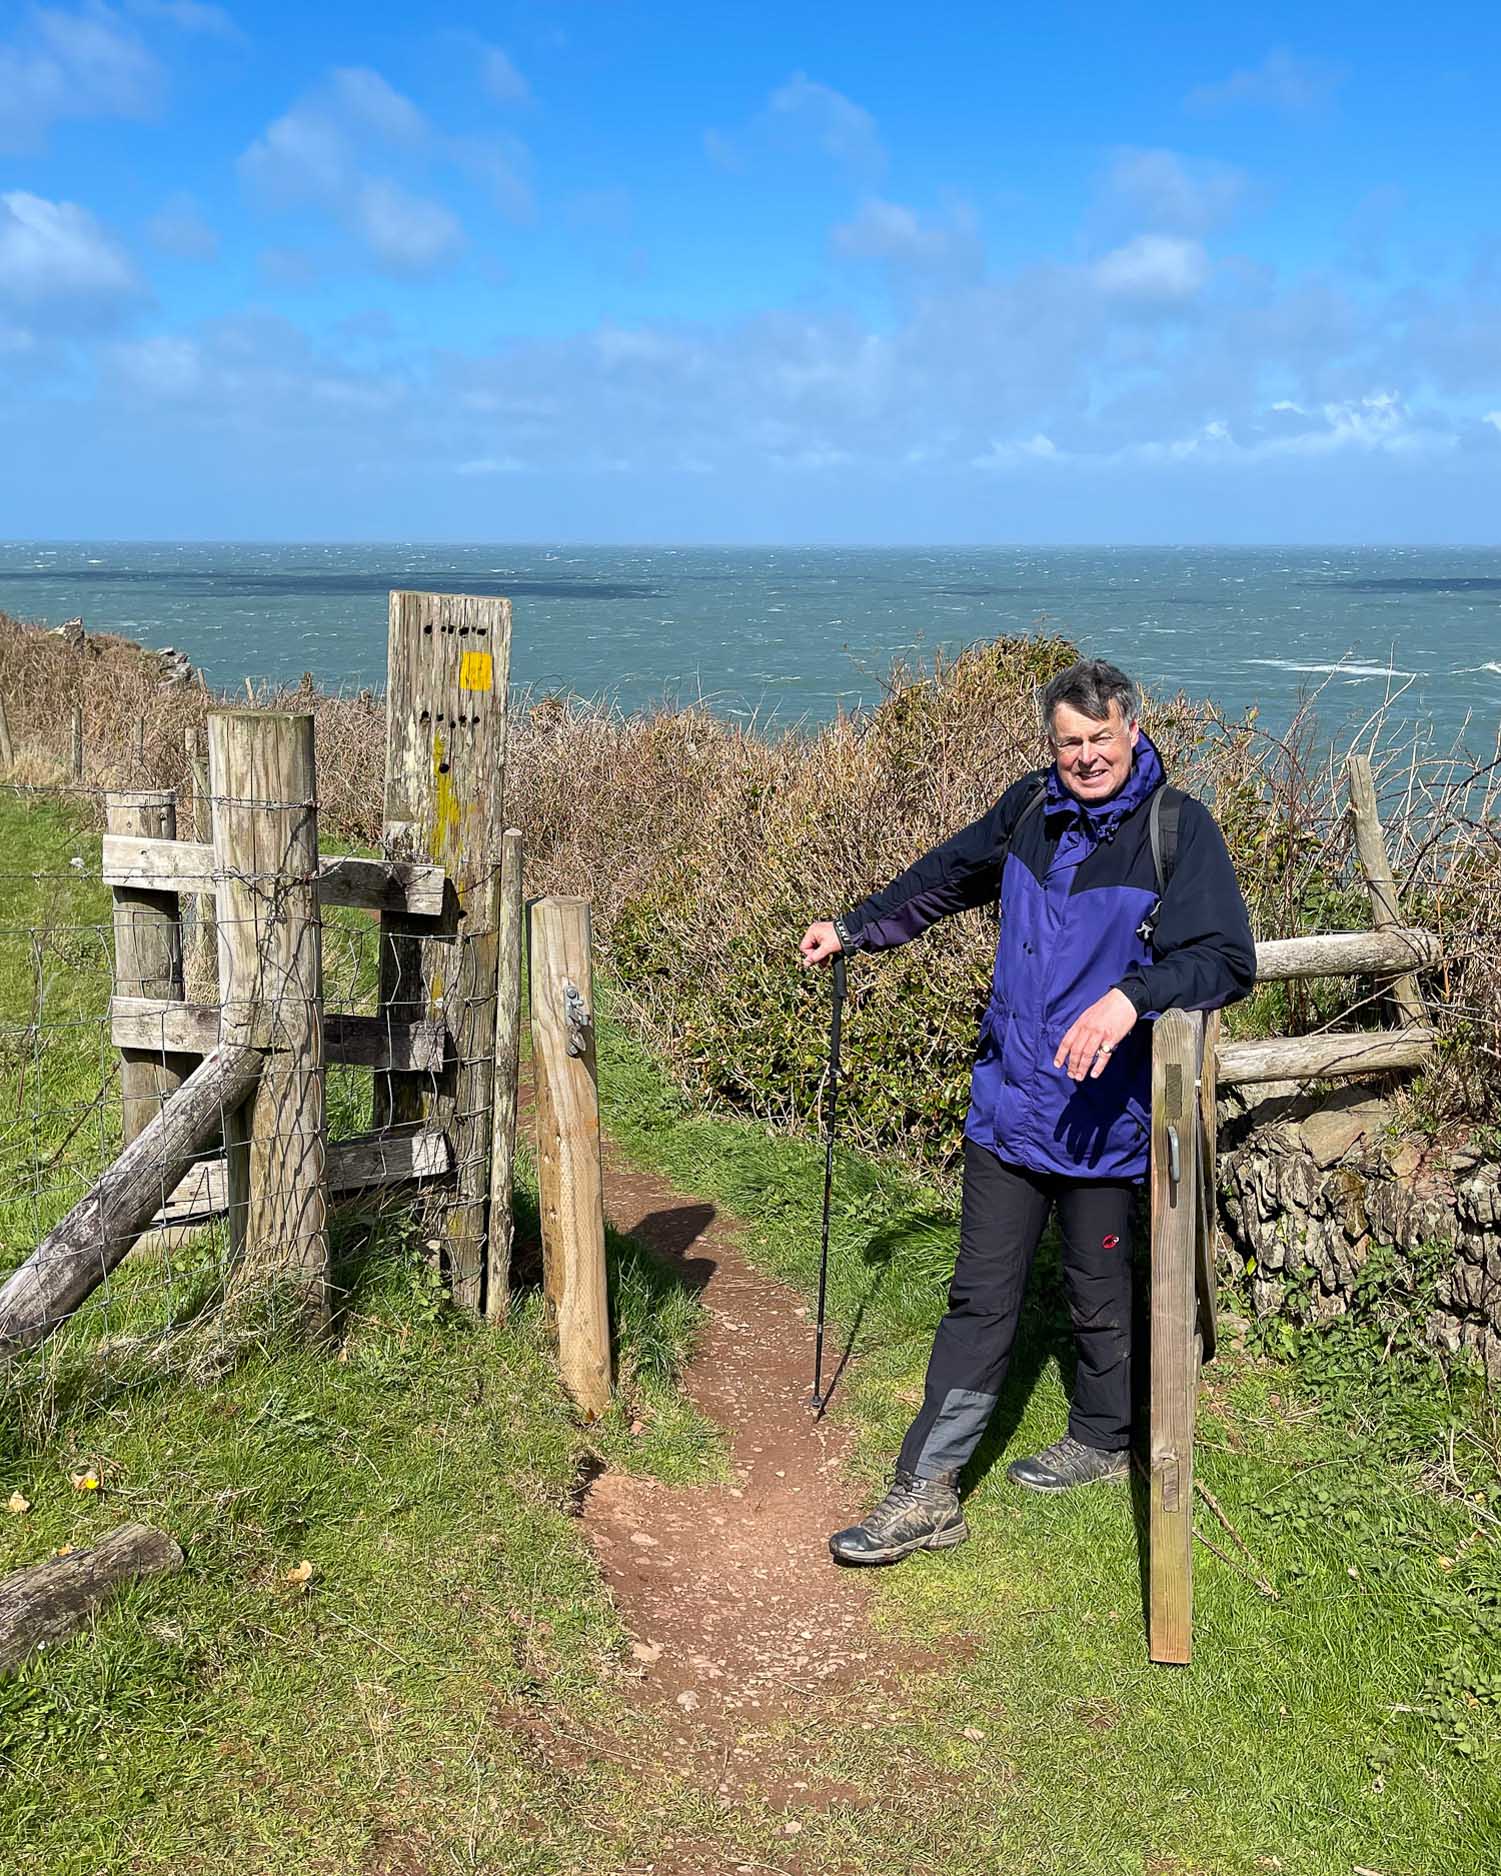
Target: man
1060,1097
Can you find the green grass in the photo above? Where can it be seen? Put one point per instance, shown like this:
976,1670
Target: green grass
445,1695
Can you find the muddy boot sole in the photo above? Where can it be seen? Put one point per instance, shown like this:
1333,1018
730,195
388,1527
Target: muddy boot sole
946,1539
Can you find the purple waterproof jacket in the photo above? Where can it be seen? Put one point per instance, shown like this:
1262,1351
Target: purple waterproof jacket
1080,915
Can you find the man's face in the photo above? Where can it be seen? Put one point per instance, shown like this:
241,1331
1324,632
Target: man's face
1093,754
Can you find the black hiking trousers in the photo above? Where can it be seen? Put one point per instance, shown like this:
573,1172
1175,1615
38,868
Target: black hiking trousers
1005,1211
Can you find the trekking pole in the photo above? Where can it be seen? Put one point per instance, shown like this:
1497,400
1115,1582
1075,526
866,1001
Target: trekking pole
830,1111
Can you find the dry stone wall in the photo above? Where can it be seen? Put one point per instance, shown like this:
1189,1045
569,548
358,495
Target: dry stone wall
1309,1187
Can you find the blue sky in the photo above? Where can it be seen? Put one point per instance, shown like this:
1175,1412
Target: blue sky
569,269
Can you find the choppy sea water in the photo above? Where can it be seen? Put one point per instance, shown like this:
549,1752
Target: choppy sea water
789,634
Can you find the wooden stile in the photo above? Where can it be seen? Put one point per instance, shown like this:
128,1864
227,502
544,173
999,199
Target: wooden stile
570,1177
1177,1050
1370,844
502,1227
148,961
449,663
263,782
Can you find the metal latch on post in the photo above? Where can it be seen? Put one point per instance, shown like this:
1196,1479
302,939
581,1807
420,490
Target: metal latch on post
1174,1162
576,1017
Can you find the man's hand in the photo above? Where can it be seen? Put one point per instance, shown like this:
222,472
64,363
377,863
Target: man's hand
1087,1047
820,942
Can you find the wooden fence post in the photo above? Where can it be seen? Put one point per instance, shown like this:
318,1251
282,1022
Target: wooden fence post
507,1072
148,958
77,742
570,1177
449,662
7,747
1382,886
1177,1049
265,818
201,947
140,749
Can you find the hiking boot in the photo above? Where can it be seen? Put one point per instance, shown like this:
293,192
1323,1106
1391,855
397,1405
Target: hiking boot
916,1514
1066,1463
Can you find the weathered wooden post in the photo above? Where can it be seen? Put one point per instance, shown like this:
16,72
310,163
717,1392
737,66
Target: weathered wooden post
265,820
77,763
140,748
1177,1050
7,747
449,660
502,1228
1386,914
201,947
148,957
570,1175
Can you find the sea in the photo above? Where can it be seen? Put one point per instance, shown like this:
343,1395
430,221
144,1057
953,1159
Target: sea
784,636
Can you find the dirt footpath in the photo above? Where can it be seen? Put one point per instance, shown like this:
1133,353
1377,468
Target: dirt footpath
738,1612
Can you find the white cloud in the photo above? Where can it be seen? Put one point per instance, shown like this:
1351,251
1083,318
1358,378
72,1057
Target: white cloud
1170,194
364,97
501,79
406,233
161,367
801,112
52,250
503,166
1153,267
846,131
179,229
1493,417
1033,449
61,65
1281,83
490,466
320,154
891,232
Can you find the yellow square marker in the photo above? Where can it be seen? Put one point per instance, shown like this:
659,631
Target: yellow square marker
476,671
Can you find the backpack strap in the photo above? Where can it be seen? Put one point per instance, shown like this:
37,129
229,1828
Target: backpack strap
1162,826
1033,802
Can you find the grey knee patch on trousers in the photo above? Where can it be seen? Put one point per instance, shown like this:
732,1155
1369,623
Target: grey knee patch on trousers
956,1432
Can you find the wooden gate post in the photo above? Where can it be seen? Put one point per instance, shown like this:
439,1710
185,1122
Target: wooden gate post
77,761
265,816
200,947
570,1177
148,957
1386,914
449,662
1177,1050
7,748
507,1073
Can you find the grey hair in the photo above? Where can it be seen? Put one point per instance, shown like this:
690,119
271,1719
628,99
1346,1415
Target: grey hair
1091,687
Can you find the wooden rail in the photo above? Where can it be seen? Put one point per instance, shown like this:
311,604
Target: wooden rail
368,1162
1335,954
77,1254
155,1025
188,866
